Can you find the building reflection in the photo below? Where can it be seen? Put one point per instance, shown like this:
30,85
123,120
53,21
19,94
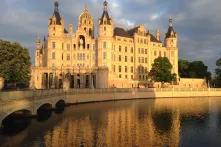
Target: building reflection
125,124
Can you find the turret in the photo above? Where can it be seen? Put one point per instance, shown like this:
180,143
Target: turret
38,51
56,22
158,34
171,36
105,23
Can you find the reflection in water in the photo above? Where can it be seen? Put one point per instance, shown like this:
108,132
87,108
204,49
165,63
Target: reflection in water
161,122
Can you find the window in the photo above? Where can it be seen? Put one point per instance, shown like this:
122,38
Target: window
125,58
88,46
119,69
119,48
53,55
132,59
145,51
132,50
104,45
155,53
104,28
114,68
104,55
132,77
74,46
68,57
125,49
139,50
160,53
131,69
138,59
145,60
142,50
68,47
53,45
125,68
119,58
125,76
145,70
119,75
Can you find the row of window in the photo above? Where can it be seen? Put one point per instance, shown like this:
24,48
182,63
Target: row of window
126,76
68,47
142,60
80,56
142,51
125,69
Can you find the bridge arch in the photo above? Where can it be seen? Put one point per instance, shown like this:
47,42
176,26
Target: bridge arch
44,111
16,121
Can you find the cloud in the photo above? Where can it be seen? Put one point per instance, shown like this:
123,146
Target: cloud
196,22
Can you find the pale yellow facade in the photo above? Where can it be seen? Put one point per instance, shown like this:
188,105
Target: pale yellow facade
114,57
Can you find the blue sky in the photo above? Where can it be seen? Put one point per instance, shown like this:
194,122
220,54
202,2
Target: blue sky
197,22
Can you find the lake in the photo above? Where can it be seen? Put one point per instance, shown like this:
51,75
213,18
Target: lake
185,122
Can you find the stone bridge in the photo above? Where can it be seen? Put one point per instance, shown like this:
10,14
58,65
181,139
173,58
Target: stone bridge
33,100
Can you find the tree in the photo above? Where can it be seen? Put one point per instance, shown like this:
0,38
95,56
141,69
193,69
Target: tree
14,63
183,68
217,79
195,69
161,70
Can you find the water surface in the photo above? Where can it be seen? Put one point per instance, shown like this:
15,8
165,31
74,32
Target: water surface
135,123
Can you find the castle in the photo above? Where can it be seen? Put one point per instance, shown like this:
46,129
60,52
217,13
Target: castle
115,57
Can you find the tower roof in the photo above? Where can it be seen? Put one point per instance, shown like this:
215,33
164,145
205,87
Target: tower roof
56,13
170,33
105,14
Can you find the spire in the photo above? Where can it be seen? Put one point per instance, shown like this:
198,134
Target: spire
37,40
56,4
105,18
170,21
170,33
105,5
56,14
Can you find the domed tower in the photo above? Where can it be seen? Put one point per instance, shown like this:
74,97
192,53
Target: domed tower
171,36
105,38
56,23
86,22
171,45
105,23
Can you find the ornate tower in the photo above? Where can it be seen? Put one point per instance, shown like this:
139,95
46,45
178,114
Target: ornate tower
55,23
171,36
86,23
171,45
55,45
105,37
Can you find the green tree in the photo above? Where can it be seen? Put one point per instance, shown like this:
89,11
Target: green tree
195,69
161,70
14,63
217,79
183,68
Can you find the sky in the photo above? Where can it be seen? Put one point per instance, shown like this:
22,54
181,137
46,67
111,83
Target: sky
197,22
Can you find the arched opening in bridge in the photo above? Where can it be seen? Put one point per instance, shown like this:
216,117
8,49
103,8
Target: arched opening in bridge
44,112
16,122
60,105
163,121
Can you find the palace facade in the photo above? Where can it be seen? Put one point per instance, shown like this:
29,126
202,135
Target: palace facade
115,57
